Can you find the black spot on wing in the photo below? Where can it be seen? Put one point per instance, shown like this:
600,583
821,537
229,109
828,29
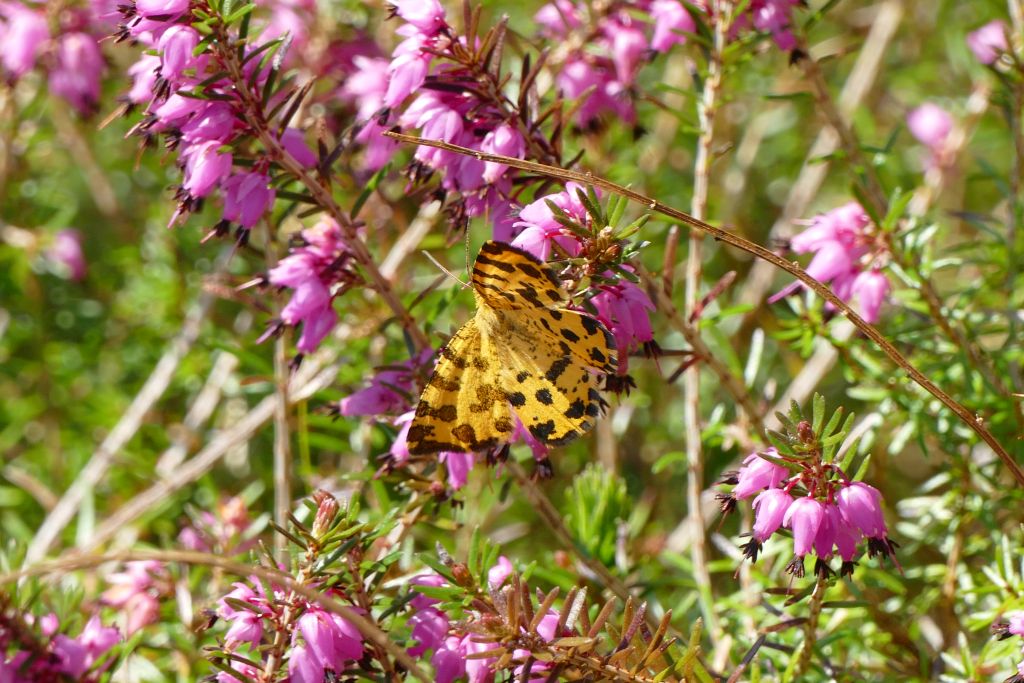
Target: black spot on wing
597,356
557,368
522,376
543,431
544,396
589,324
517,399
557,315
576,410
570,335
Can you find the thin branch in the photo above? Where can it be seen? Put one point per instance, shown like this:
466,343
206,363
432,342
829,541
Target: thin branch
975,422
130,422
720,13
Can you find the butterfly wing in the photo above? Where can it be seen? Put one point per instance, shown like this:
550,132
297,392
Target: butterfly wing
554,394
462,407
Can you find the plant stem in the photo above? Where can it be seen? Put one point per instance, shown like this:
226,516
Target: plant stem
811,627
720,11
975,422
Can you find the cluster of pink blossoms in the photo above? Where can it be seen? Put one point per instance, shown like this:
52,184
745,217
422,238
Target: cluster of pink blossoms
321,641
318,269
137,591
1012,626
446,107
227,530
453,651
54,656
201,130
71,59
842,240
832,517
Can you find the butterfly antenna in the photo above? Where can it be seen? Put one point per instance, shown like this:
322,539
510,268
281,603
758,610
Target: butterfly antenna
444,270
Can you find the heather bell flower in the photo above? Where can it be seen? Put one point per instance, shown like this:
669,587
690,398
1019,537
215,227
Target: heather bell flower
988,42
23,32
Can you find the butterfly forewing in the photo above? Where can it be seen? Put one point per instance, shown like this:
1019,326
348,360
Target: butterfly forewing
507,277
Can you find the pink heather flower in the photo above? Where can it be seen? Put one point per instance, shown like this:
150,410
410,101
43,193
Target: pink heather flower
175,111
330,641
389,391
249,671
406,73
843,224
870,289
76,75
671,21
222,531
861,506
557,18
1016,623
458,466
366,85
247,197
304,666
838,239
144,74
399,451
930,124
429,630
758,473
539,227
160,8
66,253
770,508
989,41
497,574
78,655
214,121
246,627
310,271
450,661
23,33
505,140
135,592
804,516
426,15
606,94
628,45
294,142
205,166
625,310
176,46
421,601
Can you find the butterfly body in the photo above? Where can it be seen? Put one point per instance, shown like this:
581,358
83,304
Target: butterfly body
523,354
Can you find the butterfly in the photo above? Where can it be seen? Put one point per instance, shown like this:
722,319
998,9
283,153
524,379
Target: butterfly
525,352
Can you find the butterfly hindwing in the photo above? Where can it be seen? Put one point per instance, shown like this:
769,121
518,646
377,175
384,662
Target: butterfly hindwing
554,395
462,407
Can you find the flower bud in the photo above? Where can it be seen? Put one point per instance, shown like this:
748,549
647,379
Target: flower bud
326,511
